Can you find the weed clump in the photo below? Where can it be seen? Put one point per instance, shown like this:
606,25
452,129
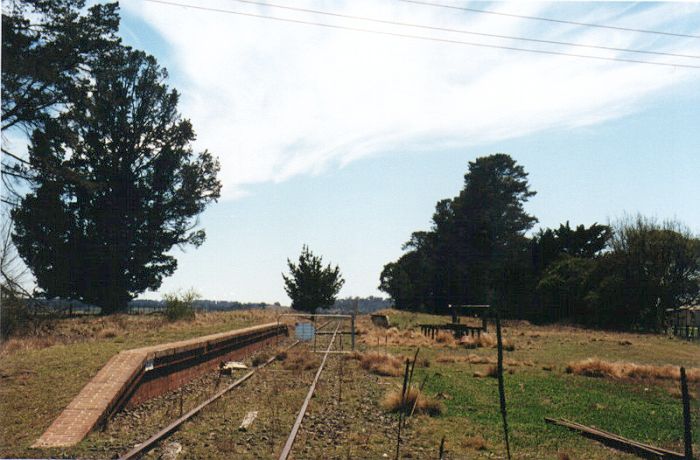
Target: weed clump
491,371
108,333
475,442
259,359
180,306
299,360
485,341
594,367
382,364
425,404
445,337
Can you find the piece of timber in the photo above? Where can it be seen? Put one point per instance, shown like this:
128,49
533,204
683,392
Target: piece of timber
668,453
617,441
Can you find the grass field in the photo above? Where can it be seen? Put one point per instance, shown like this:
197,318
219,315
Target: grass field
37,380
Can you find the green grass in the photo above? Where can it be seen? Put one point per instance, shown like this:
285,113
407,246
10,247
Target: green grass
640,410
623,408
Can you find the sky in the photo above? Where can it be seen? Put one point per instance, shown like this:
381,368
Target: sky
345,140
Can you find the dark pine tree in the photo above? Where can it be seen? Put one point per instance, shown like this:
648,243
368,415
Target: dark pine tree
310,285
47,45
130,188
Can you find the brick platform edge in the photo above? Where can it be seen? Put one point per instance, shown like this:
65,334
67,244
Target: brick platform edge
133,376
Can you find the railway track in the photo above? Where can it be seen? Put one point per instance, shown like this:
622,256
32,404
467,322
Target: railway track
153,441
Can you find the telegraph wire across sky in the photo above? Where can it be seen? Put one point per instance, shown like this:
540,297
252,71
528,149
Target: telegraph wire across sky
462,31
560,21
421,37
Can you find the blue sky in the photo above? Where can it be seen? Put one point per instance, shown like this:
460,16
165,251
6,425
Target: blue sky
345,141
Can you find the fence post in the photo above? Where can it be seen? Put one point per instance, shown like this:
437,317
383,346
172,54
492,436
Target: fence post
352,325
501,386
687,436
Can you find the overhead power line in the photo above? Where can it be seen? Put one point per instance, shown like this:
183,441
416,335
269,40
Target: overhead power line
420,37
560,21
462,31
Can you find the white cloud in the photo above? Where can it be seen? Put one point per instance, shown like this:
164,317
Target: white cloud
274,100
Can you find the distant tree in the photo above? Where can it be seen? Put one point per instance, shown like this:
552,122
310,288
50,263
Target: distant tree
309,284
650,267
102,233
550,244
476,251
563,290
48,46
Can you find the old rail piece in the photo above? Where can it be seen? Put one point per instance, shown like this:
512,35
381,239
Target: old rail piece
148,444
295,429
614,440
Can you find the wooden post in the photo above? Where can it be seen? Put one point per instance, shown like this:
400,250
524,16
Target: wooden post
442,449
501,386
687,435
401,409
352,325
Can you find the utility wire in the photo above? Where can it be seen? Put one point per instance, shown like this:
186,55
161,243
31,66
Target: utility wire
462,31
420,37
538,18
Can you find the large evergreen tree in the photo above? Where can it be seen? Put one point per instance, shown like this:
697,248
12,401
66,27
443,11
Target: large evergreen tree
129,189
309,284
47,48
476,251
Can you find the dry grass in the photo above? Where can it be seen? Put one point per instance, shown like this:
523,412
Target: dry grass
108,333
299,360
425,404
485,340
380,363
87,328
376,336
471,358
475,442
677,393
445,337
594,367
491,371
259,359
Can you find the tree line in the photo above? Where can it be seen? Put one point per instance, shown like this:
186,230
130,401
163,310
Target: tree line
478,251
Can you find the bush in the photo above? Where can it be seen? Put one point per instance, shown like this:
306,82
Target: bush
13,316
180,306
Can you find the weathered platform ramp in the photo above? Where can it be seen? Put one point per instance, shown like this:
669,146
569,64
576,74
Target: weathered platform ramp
133,376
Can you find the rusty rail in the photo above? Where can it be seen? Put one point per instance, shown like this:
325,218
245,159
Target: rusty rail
295,429
148,444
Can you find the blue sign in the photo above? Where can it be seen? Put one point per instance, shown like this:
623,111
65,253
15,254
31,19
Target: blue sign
305,331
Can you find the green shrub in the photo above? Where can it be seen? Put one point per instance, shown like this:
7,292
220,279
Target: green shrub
180,306
14,317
